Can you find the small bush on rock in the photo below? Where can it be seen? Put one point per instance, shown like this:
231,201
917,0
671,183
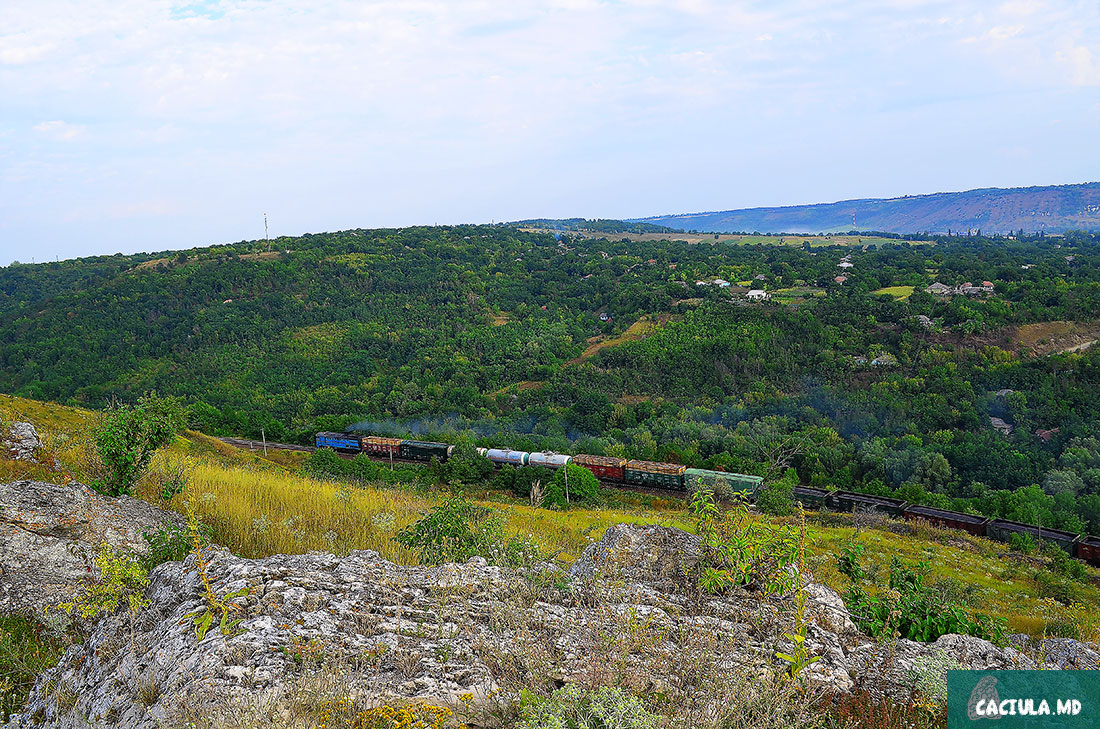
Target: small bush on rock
122,581
458,530
571,707
741,551
169,543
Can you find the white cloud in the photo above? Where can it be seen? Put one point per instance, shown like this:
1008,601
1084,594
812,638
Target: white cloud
17,55
1083,66
59,130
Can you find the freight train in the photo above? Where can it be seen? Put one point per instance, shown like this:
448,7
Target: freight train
679,478
606,468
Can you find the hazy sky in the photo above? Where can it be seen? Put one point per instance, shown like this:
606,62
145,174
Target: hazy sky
131,125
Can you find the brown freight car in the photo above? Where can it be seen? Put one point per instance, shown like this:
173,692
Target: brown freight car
379,446
1088,549
975,525
605,467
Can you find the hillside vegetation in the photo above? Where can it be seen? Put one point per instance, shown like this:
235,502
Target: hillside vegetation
1053,209
494,334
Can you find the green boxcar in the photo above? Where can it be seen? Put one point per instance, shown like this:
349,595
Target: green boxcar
651,473
734,483
422,450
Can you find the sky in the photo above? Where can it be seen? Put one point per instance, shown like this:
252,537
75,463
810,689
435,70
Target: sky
148,125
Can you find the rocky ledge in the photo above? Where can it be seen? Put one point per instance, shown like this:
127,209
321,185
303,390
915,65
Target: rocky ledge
50,534
309,628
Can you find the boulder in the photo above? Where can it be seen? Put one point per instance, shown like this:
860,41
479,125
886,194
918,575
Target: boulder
634,553
22,442
50,535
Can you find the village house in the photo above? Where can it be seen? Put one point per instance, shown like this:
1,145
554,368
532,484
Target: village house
845,264
1001,426
966,289
1046,435
757,295
939,289
840,279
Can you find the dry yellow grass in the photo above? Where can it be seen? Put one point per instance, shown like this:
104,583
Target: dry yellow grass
1051,337
260,509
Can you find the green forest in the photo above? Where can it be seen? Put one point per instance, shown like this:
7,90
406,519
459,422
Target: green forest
988,402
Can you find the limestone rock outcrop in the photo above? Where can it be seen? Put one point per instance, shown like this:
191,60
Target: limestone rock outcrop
303,629
22,442
50,535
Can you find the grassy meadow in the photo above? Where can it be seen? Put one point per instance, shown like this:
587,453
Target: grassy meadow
898,292
259,506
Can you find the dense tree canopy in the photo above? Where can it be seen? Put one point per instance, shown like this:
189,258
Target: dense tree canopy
494,334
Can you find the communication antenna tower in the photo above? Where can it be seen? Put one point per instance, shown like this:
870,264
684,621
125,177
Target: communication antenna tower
265,233
853,220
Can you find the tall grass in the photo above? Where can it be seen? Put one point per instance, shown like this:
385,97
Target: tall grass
257,511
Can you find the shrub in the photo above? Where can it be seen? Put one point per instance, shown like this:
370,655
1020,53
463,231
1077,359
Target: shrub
911,609
738,550
169,543
848,562
520,480
1062,564
458,530
776,497
122,581
127,438
583,487
324,463
1023,543
570,707
465,465
1055,586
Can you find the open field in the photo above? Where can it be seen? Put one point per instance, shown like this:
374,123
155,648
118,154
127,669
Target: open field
898,292
815,241
797,294
638,330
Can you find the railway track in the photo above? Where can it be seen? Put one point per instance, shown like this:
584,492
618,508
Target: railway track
256,445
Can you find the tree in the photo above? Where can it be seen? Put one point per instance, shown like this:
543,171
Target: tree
465,465
128,436
583,487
